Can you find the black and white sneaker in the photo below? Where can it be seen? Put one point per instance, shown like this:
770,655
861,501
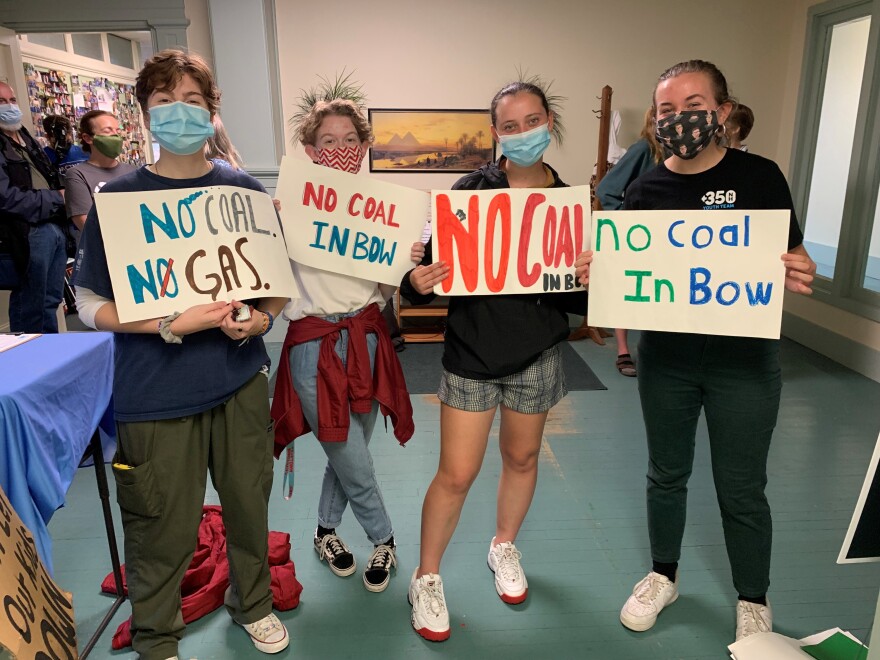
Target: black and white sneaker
377,575
338,556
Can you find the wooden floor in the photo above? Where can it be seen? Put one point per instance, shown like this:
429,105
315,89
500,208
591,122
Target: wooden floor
584,542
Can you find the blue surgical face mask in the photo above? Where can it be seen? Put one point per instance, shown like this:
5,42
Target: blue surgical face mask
10,115
526,149
181,128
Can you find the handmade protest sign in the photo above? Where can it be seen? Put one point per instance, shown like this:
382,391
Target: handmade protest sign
36,617
511,240
713,272
168,250
349,224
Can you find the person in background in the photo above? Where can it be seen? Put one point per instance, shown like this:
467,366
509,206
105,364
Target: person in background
499,351
338,365
738,126
32,222
62,151
735,380
101,140
219,147
641,157
190,393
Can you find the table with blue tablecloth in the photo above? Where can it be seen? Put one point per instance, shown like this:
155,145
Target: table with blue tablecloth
55,391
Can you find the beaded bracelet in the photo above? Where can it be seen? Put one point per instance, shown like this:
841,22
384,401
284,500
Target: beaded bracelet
268,327
165,329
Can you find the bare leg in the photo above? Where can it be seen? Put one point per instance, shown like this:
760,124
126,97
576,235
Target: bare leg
463,439
620,336
520,445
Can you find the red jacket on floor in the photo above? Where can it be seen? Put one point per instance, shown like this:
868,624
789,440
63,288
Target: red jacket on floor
341,390
207,577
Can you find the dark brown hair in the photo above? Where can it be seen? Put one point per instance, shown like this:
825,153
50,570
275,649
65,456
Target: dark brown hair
165,69
515,88
649,134
85,126
743,117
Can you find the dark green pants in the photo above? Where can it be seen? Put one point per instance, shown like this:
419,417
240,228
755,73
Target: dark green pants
161,500
737,382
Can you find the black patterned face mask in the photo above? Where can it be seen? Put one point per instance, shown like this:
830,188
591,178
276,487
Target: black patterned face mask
687,133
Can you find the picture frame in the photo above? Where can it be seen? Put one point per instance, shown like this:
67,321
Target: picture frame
414,140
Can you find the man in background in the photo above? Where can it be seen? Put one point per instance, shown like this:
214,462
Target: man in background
31,222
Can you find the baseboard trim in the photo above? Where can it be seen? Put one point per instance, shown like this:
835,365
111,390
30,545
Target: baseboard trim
858,357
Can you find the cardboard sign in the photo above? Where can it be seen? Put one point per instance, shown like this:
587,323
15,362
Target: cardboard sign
862,542
36,617
711,272
349,224
168,250
512,240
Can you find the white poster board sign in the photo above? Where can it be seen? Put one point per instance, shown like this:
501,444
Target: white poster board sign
168,250
349,224
711,272
511,240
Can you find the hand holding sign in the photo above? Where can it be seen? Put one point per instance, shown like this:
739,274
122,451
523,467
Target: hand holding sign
712,272
349,224
173,249
799,271
512,240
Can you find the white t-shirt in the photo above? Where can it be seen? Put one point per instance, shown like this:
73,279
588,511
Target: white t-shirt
325,293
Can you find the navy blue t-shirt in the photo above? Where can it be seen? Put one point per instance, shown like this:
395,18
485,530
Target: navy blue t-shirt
155,380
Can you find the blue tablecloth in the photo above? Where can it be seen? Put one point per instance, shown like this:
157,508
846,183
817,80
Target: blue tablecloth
54,392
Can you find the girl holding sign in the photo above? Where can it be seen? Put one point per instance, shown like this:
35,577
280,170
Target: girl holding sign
736,380
190,392
338,365
499,350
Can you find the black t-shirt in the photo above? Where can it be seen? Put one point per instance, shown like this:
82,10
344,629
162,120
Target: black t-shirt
740,181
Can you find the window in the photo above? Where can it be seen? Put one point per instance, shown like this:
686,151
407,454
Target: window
88,44
836,155
49,39
120,51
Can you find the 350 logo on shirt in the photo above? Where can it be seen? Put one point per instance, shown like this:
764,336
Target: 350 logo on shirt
719,197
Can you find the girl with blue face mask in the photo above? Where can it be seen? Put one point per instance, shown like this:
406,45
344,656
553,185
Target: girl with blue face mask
190,396
488,364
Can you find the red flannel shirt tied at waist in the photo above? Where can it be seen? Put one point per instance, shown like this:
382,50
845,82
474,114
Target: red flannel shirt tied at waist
342,388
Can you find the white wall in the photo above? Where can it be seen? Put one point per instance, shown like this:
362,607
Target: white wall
457,53
198,33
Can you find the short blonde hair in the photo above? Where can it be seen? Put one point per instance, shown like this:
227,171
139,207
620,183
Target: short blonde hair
307,133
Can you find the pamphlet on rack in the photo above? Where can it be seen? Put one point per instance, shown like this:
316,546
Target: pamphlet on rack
833,644
14,339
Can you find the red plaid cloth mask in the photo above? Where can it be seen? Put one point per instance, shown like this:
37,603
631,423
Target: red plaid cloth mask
347,159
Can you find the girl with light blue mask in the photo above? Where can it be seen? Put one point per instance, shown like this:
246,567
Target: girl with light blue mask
483,370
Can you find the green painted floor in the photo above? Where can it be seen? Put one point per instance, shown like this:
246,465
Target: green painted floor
584,542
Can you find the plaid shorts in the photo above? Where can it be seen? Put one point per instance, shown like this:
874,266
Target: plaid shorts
535,389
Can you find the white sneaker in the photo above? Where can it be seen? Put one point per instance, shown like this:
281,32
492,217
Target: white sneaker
268,634
429,615
510,581
648,598
752,618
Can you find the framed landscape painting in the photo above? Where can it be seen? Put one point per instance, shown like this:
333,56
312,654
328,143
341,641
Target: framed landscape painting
430,140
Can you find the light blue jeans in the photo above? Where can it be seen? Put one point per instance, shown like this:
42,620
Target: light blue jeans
349,476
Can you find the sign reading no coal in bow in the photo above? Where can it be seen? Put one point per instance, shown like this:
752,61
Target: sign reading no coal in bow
710,272
510,240
168,250
349,224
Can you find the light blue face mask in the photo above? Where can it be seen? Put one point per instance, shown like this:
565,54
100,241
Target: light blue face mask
181,128
10,114
526,149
